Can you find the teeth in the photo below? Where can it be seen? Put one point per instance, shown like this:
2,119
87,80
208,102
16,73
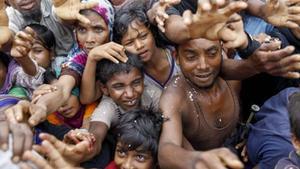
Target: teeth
132,102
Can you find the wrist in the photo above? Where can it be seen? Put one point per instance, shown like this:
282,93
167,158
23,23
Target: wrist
58,3
251,47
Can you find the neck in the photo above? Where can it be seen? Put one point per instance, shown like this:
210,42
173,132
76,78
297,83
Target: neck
205,91
156,60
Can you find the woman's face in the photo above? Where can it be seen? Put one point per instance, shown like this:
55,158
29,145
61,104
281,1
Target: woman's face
139,40
40,54
94,34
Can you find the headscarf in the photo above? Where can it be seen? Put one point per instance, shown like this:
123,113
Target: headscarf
77,56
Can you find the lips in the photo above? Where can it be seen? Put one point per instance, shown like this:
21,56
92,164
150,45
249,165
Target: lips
28,5
203,76
143,54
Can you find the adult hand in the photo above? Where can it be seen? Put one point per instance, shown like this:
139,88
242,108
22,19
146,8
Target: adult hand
50,151
42,90
22,43
210,19
73,154
277,62
69,9
220,158
233,34
282,13
78,135
21,135
111,51
159,12
26,112
5,33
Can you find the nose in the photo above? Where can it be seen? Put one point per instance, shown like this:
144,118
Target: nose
138,44
90,37
128,164
202,65
129,93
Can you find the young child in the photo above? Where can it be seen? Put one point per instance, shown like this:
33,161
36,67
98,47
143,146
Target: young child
123,89
137,135
32,57
293,161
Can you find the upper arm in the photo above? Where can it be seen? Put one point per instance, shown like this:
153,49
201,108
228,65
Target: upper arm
170,104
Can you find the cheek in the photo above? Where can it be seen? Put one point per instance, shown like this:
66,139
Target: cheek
102,38
131,49
81,38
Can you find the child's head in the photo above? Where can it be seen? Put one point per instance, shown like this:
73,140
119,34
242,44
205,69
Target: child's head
4,61
43,45
123,82
100,29
294,112
133,30
72,106
138,135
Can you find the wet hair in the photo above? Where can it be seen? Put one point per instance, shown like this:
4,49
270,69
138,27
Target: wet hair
294,113
140,129
44,34
106,68
129,13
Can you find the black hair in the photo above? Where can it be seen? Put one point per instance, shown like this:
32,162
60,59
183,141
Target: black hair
140,128
126,15
49,76
106,68
4,58
294,113
44,34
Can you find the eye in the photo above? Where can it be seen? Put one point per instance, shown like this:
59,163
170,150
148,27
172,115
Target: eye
137,82
118,86
143,36
37,50
129,43
212,52
81,29
98,30
140,158
121,153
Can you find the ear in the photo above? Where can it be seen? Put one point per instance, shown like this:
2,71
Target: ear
104,89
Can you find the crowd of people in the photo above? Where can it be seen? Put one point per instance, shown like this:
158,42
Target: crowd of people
150,84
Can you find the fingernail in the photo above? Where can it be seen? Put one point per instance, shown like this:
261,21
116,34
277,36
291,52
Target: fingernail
4,147
32,122
16,159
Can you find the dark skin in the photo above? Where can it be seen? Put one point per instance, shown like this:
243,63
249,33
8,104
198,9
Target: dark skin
200,62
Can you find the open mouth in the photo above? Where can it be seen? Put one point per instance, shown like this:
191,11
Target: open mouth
28,5
131,103
143,54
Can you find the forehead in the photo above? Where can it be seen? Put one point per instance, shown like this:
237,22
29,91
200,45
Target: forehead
134,28
198,44
126,77
94,18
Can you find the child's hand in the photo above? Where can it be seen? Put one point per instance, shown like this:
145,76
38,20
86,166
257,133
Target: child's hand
78,135
22,43
112,51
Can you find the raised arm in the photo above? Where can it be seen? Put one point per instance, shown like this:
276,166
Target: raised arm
22,45
90,89
5,35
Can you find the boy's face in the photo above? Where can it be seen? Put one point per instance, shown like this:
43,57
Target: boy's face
71,108
40,54
139,40
133,159
126,88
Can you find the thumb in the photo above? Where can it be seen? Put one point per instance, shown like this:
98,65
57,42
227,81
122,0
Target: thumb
38,114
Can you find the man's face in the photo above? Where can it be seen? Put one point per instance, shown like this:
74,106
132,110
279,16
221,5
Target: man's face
200,61
134,159
139,40
25,7
126,89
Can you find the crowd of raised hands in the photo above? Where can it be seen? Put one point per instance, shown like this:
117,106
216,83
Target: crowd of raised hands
213,20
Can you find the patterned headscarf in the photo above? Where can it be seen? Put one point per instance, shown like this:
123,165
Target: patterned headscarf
106,11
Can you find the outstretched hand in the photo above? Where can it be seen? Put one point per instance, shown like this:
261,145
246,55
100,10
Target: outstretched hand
283,13
210,19
69,9
5,33
22,43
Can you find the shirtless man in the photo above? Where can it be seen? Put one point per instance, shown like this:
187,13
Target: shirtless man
202,107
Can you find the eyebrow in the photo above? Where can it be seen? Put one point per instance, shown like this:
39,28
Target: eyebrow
212,47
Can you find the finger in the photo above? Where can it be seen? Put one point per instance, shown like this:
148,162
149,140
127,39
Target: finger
291,75
88,5
294,10
35,99
53,155
204,5
277,55
30,32
38,114
273,2
200,165
18,142
161,28
187,17
10,115
288,64
60,146
292,2
115,56
26,36
39,162
4,133
83,19
28,136
20,109
234,7
230,159
291,24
